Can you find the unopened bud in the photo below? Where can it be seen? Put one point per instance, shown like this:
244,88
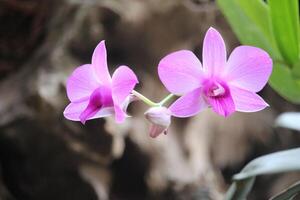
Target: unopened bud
160,118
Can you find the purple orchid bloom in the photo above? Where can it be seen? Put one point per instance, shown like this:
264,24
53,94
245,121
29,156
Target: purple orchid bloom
94,93
226,86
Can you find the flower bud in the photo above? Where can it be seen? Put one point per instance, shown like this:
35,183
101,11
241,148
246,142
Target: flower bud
160,118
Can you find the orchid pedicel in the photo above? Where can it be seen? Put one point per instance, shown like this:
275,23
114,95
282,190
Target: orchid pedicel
225,85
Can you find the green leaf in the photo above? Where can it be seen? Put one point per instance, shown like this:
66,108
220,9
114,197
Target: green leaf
250,20
285,23
239,189
282,161
283,81
289,120
258,10
288,193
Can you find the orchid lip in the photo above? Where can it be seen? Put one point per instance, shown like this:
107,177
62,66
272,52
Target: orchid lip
100,98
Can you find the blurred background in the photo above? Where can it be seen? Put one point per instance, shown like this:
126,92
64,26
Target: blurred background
43,156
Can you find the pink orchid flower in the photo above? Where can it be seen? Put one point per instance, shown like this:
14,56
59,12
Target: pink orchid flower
226,86
94,93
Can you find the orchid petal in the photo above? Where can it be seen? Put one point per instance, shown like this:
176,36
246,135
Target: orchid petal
222,105
123,82
81,83
180,72
189,104
99,63
73,111
248,68
214,52
246,101
120,114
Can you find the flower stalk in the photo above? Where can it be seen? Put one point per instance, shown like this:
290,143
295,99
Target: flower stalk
144,99
150,102
166,99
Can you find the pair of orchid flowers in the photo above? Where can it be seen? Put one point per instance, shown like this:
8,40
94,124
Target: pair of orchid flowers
224,85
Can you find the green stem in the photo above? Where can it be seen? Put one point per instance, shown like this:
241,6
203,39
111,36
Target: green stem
166,99
144,99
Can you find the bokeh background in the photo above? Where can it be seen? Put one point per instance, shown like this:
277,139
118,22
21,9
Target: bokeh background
43,156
